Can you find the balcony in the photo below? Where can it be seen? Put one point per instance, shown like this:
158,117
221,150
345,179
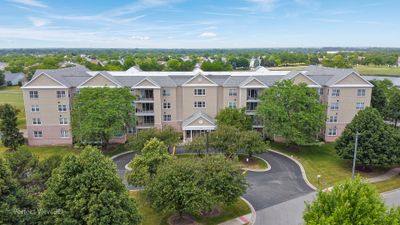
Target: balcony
143,99
143,125
140,112
252,95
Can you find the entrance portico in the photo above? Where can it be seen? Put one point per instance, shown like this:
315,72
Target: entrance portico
197,124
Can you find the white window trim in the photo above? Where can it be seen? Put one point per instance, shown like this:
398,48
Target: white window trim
196,92
231,94
194,104
165,116
37,119
334,109
332,135
364,91
35,107
61,134
37,137
66,108
166,104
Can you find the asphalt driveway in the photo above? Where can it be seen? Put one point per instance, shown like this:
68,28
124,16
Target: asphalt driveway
282,183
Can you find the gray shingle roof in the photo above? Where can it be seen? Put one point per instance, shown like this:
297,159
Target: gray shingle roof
195,116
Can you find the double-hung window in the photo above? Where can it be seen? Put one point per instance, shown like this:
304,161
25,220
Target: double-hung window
332,132
199,91
60,94
36,121
199,104
35,108
232,92
63,121
166,105
335,93
334,106
360,92
360,105
37,134
332,119
167,118
232,105
166,92
33,94
64,133
62,108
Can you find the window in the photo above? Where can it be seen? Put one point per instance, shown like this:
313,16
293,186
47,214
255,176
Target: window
36,121
199,91
37,134
166,105
60,94
64,133
199,104
233,92
167,117
166,92
332,119
35,108
360,105
321,91
360,92
335,106
335,92
130,130
62,108
63,121
33,94
232,105
332,132
148,120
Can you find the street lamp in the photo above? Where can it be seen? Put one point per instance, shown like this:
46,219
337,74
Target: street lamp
355,155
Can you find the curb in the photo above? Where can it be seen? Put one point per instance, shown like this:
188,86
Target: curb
259,170
389,192
118,155
303,172
253,211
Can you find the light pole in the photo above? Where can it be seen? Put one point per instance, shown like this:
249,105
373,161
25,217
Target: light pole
355,156
207,141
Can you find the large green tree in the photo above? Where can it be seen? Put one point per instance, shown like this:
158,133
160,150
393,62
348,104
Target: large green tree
251,143
2,78
393,106
377,144
225,139
168,135
99,114
379,96
234,117
11,137
353,202
144,166
85,189
195,185
197,144
292,111
15,203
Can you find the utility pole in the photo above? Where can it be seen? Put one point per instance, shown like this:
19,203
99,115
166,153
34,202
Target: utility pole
355,156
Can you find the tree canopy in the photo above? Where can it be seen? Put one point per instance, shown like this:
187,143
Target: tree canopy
251,143
292,111
234,117
86,189
11,137
225,139
377,144
168,135
98,114
144,166
353,202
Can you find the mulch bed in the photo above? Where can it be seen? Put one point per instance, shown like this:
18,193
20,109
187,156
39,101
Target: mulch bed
216,211
184,220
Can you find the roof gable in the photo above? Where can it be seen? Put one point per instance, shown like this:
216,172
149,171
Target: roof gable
99,80
198,120
352,79
253,82
44,80
301,78
146,83
199,80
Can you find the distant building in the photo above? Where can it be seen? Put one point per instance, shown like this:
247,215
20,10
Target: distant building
3,65
13,78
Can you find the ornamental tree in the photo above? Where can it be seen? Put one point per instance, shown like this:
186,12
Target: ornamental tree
250,143
2,78
11,137
168,135
195,185
234,117
85,189
98,114
144,166
377,143
225,139
353,202
292,111
197,144
393,106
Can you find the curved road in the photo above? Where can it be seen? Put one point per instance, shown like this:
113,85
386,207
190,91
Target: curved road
283,182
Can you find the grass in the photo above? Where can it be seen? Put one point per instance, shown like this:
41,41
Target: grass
322,160
388,185
44,152
254,163
378,70
13,96
152,216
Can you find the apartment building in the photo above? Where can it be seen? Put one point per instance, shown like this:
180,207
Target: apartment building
187,101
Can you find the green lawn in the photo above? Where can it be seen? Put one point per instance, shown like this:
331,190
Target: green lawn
322,160
254,163
378,70
13,96
44,152
388,185
152,216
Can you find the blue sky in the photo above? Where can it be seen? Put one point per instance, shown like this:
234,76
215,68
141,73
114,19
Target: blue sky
199,23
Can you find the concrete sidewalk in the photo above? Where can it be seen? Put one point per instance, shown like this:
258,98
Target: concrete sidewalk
391,173
246,219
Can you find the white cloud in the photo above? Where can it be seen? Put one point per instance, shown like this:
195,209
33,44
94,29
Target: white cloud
140,38
33,3
264,5
208,34
38,22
